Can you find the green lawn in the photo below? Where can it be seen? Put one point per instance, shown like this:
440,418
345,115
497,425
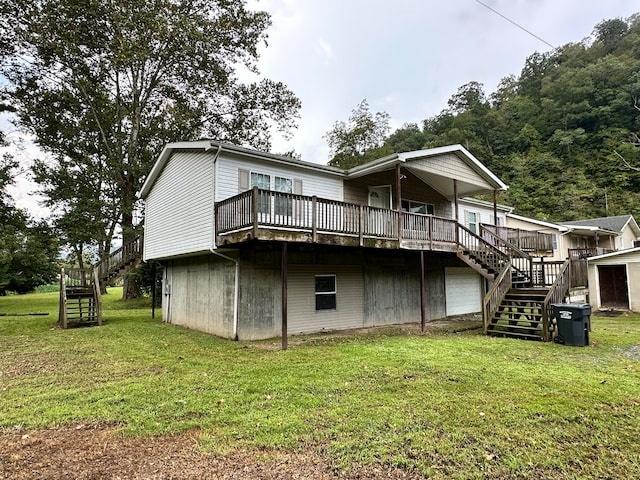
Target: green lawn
447,405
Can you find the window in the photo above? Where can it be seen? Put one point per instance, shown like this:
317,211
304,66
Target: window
417,207
472,218
325,292
263,182
283,205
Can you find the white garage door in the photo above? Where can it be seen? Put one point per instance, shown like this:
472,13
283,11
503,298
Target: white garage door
463,289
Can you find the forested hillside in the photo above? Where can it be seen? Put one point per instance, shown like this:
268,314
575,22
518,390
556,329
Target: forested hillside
563,134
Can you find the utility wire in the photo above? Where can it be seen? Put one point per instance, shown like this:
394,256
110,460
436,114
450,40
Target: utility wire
516,24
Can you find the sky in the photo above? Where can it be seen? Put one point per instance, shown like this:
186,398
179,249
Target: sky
405,57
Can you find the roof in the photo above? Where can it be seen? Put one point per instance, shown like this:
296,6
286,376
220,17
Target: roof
618,253
216,147
483,203
442,183
540,223
613,224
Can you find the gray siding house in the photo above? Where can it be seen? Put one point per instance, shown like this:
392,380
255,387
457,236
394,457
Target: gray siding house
256,245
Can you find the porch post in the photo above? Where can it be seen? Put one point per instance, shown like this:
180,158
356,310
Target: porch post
455,199
422,302
495,208
284,275
399,201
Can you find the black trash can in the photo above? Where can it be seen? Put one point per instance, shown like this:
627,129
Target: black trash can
573,322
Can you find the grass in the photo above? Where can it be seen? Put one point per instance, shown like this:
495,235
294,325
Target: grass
446,405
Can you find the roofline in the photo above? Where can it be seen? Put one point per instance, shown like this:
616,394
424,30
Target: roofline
208,145
542,223
396,158
484,203
614,254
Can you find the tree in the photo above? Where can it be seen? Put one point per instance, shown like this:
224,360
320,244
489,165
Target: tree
28,250
103,85
360,139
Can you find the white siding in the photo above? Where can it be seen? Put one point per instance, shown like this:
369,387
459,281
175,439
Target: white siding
179,208
313,183
451,166
485,214
301,312
463,291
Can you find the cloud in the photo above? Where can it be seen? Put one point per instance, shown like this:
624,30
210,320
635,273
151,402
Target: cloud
324,50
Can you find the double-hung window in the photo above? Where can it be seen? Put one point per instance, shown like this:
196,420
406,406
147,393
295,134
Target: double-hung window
283,204
325,292
263,182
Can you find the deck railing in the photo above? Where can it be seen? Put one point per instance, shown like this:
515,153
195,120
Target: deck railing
556,294
526,240
258,208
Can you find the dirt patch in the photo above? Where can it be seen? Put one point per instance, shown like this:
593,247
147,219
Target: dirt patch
633,353
85,452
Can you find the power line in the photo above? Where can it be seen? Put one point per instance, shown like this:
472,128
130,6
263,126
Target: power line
516,24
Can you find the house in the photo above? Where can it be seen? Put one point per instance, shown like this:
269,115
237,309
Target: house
597,236
614,279
257,245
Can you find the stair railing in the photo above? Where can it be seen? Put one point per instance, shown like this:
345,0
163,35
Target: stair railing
62,308
521,261
556,294
119,258
480,249
495,295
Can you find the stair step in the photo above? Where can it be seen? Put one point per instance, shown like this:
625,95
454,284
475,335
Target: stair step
524,336
518,326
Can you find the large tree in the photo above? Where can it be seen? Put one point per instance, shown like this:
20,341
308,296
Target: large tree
103,85
360,139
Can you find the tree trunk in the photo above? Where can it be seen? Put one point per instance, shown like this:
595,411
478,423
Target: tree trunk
130,290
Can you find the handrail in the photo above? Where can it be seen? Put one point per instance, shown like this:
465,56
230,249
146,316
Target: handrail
473,242
495,295
555,295
513,252
127,253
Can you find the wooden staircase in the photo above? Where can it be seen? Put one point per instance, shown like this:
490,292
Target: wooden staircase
520,314
80,298
515,306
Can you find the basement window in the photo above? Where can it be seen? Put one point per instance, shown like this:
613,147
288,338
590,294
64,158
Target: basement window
325,292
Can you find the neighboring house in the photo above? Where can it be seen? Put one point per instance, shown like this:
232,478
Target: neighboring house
257,245
603,235
614,280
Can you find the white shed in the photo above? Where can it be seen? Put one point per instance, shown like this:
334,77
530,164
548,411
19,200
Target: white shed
614,280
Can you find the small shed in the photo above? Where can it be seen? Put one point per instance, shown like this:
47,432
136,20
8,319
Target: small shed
614,280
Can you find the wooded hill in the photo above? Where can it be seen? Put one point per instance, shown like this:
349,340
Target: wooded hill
563,134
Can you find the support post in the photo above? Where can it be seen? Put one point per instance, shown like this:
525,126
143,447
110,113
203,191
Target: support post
422,300
314,221
361,219
399,201
455,203
153,292
284,273
254,210
495,209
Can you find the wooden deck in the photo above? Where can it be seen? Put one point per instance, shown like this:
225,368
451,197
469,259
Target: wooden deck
267,215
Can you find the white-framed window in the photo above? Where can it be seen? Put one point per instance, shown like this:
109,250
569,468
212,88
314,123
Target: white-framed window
283,205
472,221
412,206
326,292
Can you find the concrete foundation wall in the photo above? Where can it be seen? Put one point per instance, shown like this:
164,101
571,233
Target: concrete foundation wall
374,287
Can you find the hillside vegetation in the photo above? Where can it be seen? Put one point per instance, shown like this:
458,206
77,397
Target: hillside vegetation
563,134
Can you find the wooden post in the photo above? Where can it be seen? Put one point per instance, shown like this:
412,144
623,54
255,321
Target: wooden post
495,208
153,292
361,219
314,222
422,300
456,215
254,210
284,273
399,201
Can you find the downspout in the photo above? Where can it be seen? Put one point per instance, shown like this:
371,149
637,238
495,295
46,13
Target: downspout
212,248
